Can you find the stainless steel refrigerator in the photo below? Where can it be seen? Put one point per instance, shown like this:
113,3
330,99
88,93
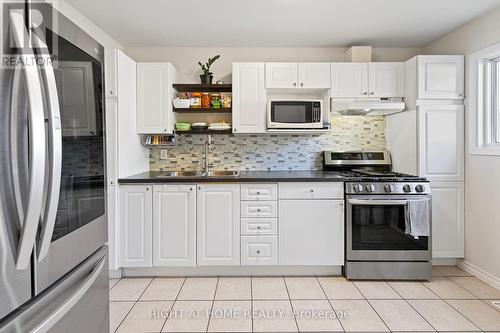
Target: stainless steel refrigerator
53,226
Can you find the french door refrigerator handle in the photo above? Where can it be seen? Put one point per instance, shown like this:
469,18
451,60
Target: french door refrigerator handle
64,308
55,152
36,152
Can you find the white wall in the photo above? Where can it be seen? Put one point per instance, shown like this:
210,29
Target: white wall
482,173
185,59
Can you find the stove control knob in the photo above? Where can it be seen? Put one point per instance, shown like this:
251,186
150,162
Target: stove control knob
419,188
388,188
370,188
407,188
357,188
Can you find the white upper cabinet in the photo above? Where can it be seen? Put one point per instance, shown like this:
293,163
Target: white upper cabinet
154,98
174,225
298,75
441,142
249,98
281,75
218,224
386,79
349,79
440,77
314,75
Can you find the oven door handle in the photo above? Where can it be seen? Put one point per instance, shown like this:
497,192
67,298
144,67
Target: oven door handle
377,202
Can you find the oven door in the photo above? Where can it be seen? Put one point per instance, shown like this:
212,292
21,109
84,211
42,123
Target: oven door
295,114
375,228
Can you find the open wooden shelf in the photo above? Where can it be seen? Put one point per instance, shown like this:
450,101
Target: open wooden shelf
194,87
203,110
205,132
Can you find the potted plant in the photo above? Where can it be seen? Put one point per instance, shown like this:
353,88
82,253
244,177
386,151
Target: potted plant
207,76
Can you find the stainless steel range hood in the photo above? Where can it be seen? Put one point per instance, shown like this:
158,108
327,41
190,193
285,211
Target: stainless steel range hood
367,106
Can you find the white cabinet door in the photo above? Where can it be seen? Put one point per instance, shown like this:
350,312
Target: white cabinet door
447,220
218,224
154,99
311,232
441,145
281,75
174,225
440,77
314,75
112,198
249,98
349,79
386,79
136,224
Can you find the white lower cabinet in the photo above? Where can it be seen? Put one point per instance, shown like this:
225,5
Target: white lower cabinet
174,225
135,221
311,232
259,250
218,224
447,219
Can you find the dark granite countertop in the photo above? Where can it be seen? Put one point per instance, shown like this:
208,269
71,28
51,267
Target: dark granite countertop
243,177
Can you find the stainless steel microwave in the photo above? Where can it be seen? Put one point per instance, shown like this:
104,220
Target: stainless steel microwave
295,114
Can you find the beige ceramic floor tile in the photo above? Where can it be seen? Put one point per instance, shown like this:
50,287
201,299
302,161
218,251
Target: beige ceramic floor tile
315,315
231,316
128,289
304,288
265,288
482,315
198,289
188,316
112,283
273,316
442,316
400,316
491,303
117,312
358,316
145,317
413,290
447,289
234,289
163,289
376,290
452,271
435,271
339,288
477,287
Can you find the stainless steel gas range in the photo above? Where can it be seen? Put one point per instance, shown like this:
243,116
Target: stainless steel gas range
388,218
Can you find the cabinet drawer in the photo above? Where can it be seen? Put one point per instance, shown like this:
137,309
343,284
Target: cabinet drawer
325,190
259,192
259,250
259,209
264,226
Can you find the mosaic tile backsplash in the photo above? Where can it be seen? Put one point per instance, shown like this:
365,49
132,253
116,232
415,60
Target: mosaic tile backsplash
272,152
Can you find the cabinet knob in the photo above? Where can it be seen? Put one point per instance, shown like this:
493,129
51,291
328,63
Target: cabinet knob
111,92
294,84
258,193
365,93
460,95
258,209
311,190
147,188
372,93
258,227
199,187
190,188
258,251
301,84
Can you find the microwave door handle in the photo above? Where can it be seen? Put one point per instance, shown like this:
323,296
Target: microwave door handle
37,142
55,151
377,202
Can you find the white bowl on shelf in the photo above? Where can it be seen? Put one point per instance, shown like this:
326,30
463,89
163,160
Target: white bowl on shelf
181,103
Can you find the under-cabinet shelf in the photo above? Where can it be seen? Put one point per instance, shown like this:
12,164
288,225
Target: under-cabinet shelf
202,110
205,132
193,87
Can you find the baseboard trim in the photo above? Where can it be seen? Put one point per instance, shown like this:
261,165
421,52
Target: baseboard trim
115,273
479,273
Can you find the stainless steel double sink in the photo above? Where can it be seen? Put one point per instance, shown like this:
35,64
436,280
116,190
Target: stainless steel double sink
197,174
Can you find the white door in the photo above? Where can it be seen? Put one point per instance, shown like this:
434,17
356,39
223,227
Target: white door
153,102
386,79
311,232
174,225
136,224
249,98
314,75
447,219
349,79
441,145
281,75
218,224
441,77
